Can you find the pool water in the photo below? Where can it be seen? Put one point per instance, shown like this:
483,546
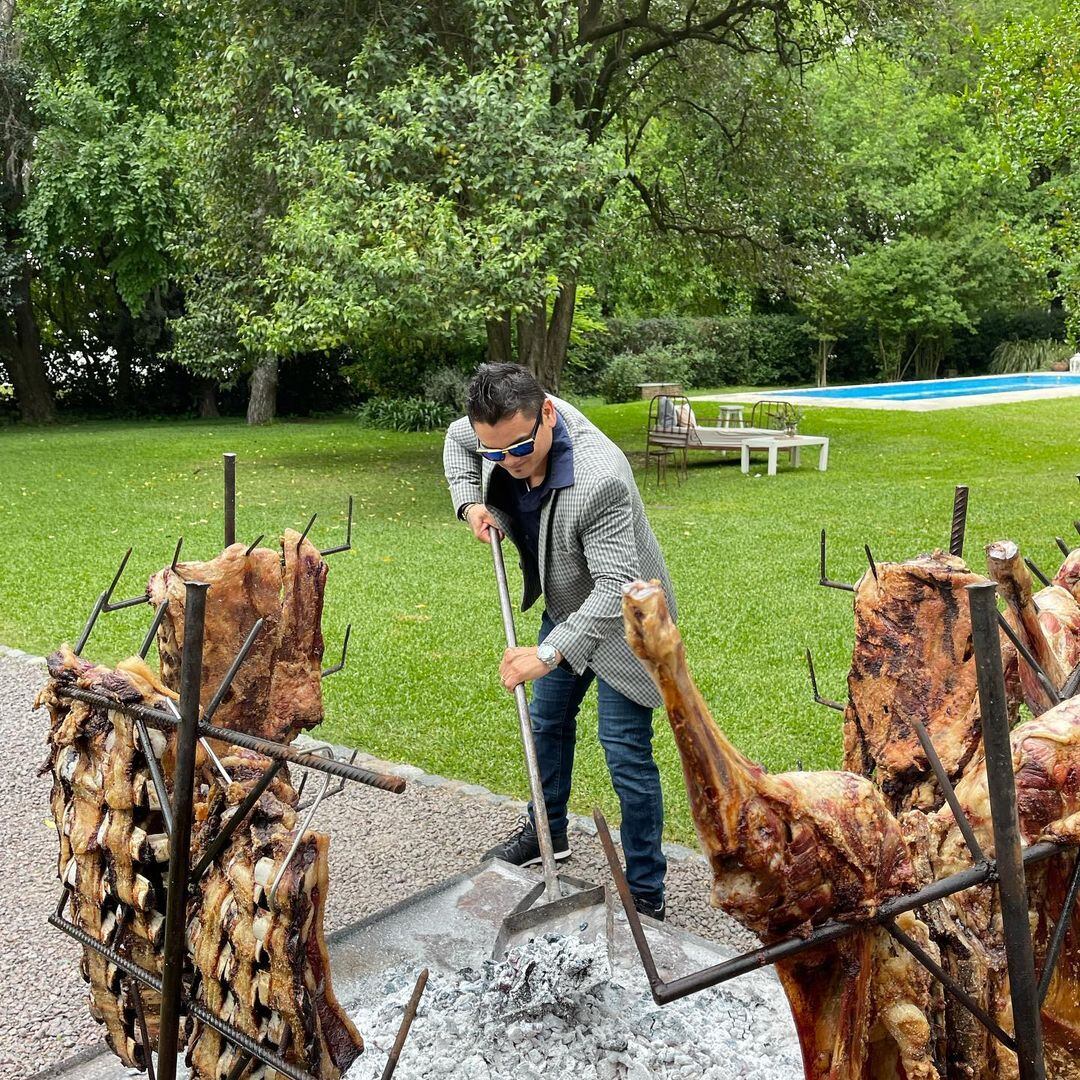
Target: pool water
941,388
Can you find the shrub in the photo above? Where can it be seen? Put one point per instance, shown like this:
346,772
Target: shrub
618,381
447,386
1015,356
404,414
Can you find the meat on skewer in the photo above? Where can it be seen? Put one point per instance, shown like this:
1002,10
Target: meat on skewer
789,852
277,692
913,659
1048,622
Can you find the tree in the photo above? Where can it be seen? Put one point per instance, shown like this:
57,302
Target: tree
20,338
98,196
233,87
457,170
1029,88
916,248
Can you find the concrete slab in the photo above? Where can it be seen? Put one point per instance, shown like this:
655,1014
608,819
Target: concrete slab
453,925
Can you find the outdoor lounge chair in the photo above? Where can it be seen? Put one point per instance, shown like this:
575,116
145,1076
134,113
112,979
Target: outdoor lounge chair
674,430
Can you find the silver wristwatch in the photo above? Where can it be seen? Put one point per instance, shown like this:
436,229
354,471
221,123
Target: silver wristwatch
548,654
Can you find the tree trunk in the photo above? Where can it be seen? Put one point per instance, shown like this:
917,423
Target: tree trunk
208,404
558,336
21,348
825,348
499,346
542,345
532,339
262,401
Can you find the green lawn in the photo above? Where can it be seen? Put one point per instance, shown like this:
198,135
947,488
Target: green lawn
421,683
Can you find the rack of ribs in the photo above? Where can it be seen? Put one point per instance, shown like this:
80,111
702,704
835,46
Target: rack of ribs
262,966
262,959
113,846
913,658
277,692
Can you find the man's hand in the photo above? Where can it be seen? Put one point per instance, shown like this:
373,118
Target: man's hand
482,522
521,665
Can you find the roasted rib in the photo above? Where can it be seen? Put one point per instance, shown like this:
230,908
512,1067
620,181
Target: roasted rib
277,693
913,658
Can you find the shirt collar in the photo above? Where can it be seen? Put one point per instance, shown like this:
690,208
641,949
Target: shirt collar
561,462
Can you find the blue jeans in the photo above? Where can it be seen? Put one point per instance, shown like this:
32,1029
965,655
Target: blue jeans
625,731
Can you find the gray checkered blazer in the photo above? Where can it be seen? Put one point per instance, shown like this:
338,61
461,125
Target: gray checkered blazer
594,537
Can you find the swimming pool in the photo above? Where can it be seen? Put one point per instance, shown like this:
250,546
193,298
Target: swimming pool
930,393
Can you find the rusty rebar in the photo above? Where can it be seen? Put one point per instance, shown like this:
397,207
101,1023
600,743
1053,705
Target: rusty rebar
959,521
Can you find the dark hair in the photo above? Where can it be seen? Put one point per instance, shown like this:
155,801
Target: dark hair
498,391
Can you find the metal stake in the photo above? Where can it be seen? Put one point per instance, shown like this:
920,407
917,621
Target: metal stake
1030,564
180,840
1008,853
948,791
238,817
823,578
148,1053
1059,931
813,683
959,521
230,499
406,1023
1062,546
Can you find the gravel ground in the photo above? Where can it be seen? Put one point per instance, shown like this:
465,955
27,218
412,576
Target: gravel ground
384,847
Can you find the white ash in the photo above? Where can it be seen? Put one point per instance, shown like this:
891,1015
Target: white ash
553,1008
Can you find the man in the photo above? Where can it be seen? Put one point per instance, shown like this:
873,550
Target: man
535,469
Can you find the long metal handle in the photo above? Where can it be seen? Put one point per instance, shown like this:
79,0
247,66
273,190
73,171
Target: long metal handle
543,830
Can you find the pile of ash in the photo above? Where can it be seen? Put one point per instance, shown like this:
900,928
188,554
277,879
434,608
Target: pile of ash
553,1008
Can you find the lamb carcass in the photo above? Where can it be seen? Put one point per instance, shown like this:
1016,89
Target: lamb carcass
913,658
1068,575
112,835
789,852
263,960
1046,763
277,693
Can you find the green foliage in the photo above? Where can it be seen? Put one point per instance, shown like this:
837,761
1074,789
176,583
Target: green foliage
919,252
433,198
1029,88
1016,356
735,350
618,381
105,155
404,414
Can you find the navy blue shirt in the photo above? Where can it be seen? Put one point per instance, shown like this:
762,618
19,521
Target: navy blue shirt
528,502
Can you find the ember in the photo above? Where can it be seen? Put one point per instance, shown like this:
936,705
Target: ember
568,1018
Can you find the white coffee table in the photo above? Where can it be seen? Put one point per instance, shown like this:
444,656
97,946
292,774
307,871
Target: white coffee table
792,443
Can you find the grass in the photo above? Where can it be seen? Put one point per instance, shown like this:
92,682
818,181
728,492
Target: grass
421,681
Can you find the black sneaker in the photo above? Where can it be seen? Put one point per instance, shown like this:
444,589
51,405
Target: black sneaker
651,908
522,848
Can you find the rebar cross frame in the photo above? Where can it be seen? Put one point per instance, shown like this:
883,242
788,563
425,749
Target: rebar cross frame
177,812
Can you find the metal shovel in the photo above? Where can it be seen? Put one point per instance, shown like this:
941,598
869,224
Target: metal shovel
579,894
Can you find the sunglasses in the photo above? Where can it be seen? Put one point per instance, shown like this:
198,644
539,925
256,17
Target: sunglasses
518,449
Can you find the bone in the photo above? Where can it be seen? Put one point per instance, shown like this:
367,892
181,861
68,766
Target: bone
1013,579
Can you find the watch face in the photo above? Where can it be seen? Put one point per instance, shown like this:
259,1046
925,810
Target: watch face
546,653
